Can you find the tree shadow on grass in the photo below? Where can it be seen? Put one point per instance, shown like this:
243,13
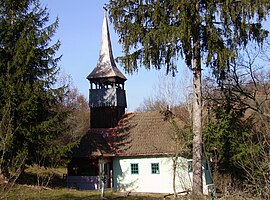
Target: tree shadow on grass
76,197
108,196
28,178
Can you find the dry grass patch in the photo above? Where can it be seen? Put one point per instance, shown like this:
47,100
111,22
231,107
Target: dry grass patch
25,192
28,189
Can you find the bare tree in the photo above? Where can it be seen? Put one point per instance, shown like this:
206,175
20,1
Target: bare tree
245,88
177,109
7,130
75,124
170,92
251,89
182,140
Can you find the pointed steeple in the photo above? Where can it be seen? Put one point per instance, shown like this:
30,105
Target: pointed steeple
107,95
106,66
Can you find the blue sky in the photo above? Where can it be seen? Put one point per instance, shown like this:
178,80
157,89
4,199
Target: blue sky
79,31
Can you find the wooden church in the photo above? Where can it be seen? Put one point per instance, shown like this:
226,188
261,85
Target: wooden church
133,151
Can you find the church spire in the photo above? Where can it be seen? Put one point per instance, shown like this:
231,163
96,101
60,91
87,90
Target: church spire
107,96
106,66
105,54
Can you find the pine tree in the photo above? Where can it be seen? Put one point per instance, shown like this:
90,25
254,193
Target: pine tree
28,68
224,135
155,33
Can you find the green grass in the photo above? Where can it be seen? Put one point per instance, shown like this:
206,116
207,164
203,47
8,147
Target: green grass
23,192
27,189
26,192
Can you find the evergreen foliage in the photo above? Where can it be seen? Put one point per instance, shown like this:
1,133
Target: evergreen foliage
155,33
224,136
235,138
28,69
237,131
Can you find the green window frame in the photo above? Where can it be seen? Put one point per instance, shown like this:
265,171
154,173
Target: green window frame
134,168
155,168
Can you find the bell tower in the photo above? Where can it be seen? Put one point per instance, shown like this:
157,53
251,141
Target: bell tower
107,96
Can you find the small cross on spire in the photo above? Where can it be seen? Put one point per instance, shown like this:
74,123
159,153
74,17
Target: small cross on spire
105,7
106,66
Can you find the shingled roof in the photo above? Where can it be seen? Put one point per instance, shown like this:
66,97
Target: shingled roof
137,134
93,143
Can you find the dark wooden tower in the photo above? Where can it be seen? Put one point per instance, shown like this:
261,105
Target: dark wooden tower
107,97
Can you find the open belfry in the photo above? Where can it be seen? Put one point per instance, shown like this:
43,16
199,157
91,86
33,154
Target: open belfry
107,97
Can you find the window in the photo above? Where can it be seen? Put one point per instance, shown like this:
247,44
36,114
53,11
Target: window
190,166
134,168
155,168
206,166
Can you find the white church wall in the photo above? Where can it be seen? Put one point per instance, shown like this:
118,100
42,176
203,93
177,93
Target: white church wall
145,180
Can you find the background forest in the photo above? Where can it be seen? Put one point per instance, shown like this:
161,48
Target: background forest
42,116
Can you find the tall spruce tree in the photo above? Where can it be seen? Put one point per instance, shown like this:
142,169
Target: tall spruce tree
28,68
155,33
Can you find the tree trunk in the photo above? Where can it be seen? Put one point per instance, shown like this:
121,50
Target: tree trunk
4,172
174,176
197,131
197,187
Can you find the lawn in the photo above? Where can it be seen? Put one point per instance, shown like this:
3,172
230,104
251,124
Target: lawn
26,192
27,188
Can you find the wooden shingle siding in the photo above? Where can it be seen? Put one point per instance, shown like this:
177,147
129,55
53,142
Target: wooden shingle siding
107,97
